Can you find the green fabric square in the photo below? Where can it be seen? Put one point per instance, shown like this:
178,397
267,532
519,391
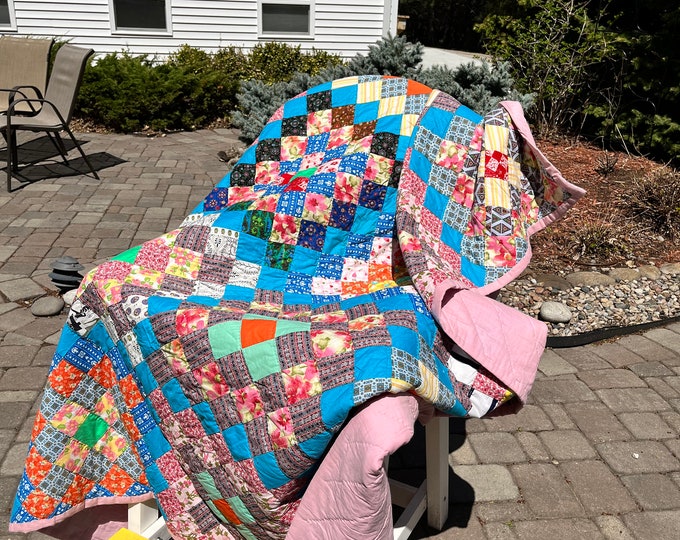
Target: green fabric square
285,326
128,255
225,338
208,484
241,510
91,430
262,359
280,255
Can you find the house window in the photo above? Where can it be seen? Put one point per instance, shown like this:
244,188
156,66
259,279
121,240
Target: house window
140,16
7,15
286,17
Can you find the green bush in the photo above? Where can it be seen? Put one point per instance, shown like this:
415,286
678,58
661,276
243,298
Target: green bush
191,89
479,87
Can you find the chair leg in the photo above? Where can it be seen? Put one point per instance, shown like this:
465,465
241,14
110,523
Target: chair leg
10,151
70,134
58,144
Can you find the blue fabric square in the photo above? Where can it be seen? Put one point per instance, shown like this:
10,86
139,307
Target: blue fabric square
452,238
272,279
271,130
161,304
364,112
217,199
172,391
346,95
83,355
207,418
305,262
469,114
298,283
336,240
250,248
474,272
316,446
146,338
359,246
335,404
390,124
435,202
237,442
67,340
157,443
320,88
354,164
436,120
405,339
420,164
323,183
236,292
317,143
269,471
364,221
295,107
365,366
334,153
156,479
291,203
311,235
402,146
290,166
145,377
330,266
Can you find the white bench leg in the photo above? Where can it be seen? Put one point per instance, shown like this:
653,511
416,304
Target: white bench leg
437,471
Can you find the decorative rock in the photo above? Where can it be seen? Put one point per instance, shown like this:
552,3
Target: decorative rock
649,271
624,274
555,312
69,296
589,278
670,268
47,306
554,281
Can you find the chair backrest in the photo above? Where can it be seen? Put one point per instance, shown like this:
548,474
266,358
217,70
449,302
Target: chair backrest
67,74
23,61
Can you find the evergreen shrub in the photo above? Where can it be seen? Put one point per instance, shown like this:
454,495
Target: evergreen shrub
479,87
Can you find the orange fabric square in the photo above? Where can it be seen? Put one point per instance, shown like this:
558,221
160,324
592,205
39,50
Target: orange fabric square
37,467
226,510
103,373
117,481
78,489
255,331
40,504
65,378
130,391
417,88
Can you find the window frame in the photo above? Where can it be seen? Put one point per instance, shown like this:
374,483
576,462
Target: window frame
262,34
115,30
12,26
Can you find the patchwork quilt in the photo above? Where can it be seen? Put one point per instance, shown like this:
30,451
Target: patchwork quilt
213,365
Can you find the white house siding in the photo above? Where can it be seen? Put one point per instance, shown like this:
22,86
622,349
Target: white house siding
344,27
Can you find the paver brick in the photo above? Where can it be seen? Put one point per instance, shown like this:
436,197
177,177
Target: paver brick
20,289
558,416
650,369
583,358
546,491
647,426
23,378
553,364
649,349
561,390
666,338
610,378
597,422
598,490
653,525
488,483
638,457
653,491
528,418
613,528
633,400
532,446
564,529
496,448
567,445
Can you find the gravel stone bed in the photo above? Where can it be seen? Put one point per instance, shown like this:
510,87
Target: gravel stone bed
593,303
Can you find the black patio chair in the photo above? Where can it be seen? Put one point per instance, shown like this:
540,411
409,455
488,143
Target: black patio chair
56,108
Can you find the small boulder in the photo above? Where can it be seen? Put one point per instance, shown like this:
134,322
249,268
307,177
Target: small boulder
47,306
589,279
555,312
624,274
672,269
650,271
69,296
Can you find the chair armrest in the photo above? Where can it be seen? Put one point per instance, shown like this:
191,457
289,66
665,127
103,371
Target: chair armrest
21,91
30,101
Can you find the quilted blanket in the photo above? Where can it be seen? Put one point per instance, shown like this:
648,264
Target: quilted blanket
341,259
